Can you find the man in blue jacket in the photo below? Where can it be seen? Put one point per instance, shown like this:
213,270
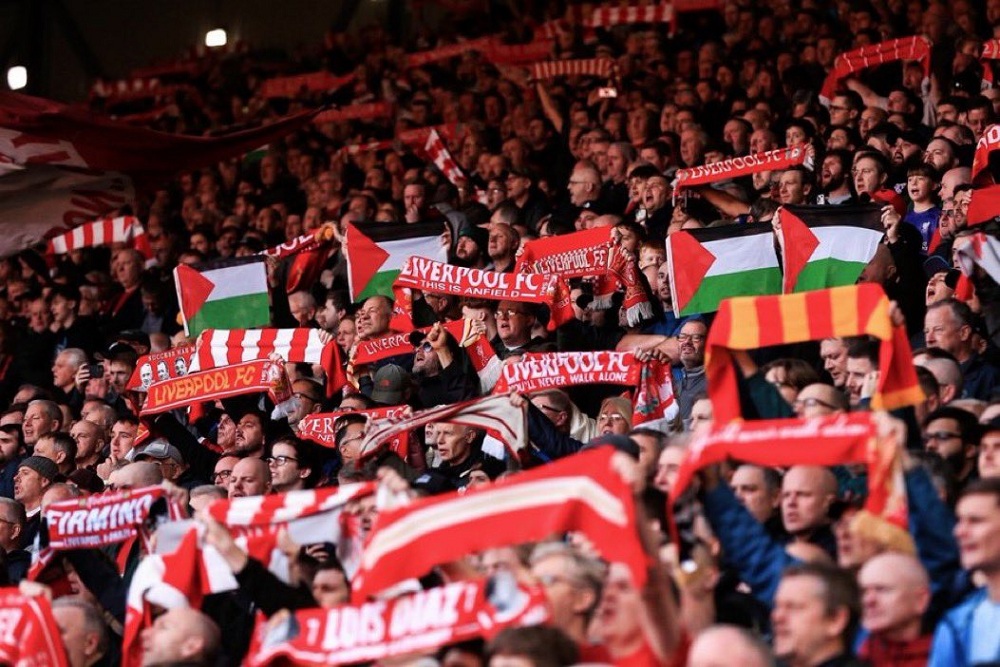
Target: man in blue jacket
968,634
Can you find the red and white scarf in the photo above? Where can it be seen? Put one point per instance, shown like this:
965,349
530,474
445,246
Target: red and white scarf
126,230
494,414
420,622
599,67
321,427
984,205
987,143
438,153
774,160
824,441
30,636
550,370
609,16
421,58
309,252
223,347
314,82
428,275
578,493
370,111
250,377
520,54
991,52
903,48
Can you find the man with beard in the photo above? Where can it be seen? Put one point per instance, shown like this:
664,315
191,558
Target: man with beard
794,186
692,385
953,434
470,248
442,370
250,434
942,154
833,181
522,193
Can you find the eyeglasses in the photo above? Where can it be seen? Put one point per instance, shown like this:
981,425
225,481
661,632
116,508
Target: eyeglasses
837,107
509,312
694,338
308,397
425,347
811,403
553,579
941,436
221,476
279,461
604,418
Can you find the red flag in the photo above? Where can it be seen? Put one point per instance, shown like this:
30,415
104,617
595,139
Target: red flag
30,635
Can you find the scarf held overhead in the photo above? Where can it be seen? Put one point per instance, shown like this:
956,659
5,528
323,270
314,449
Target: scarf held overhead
30,635
382,629
251,377
774,160
579,493
904,48
748,323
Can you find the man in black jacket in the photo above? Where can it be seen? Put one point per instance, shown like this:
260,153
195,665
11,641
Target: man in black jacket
442,370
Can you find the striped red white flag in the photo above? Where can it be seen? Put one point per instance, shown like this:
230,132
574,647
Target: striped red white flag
610,16
492,413
124,229
599,67
578,493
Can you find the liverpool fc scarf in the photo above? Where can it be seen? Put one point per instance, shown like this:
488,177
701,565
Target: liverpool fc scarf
600,67
125,230
321,427
826,441
775,160
222,347
582,254
748,323
578,493
160,366
372,631
370,111
251,377
551,370
904,48
428,275
494,414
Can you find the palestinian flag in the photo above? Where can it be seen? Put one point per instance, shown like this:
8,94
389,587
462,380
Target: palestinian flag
709,265
376,252
827,246
223,294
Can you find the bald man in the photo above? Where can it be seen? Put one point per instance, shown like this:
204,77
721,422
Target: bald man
819,400
181,636
806,495
895,593
136,476
250,477
728,646
948,374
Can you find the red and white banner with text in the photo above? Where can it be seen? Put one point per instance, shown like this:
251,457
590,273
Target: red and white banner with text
29,636
774,160
160,366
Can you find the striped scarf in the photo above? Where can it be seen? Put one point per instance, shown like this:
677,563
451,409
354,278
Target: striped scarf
125,230
904,48
599,67
578,493
222,347
748,323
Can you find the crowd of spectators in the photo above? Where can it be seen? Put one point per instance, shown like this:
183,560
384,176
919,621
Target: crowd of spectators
768,567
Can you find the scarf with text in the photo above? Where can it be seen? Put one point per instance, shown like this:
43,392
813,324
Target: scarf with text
826,441
987,143
251,377
321,427
101,520
600,67
314,82
991,52
308,252
126,230
578,493
482,355
160,366
428,275
583,254
30,636
748,323
372,631
369,111
222,347
654,397
774,160
904,48
493,414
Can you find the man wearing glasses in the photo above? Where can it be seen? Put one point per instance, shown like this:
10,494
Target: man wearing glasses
692,385
515,321
953,434
819,400
291,469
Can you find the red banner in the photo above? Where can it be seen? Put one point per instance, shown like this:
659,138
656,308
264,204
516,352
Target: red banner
160,366
321,427
247,378
987,143
355,112
548,370
382,629
777,159
29,636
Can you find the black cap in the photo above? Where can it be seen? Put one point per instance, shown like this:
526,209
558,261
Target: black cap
119,352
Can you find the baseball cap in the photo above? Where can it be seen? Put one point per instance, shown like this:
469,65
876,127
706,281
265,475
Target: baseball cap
159,449
119,352
390,381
